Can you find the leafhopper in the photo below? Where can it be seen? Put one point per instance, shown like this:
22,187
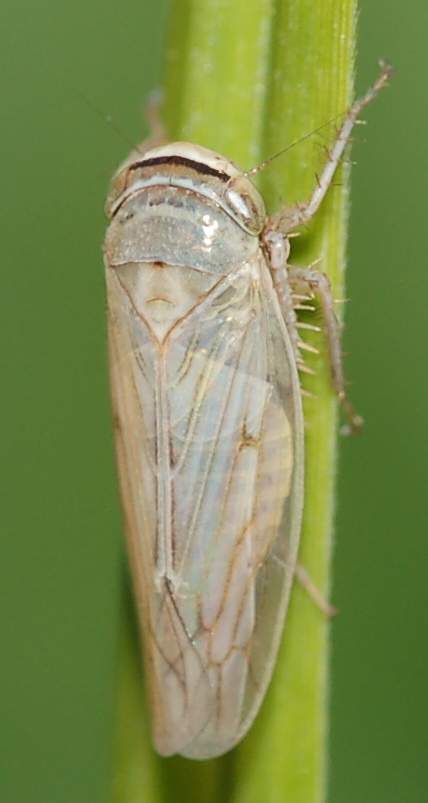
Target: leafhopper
205,355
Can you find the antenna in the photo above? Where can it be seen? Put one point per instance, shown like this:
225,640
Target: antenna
266,162
350,115
107,118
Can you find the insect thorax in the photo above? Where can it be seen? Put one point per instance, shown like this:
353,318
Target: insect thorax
178,226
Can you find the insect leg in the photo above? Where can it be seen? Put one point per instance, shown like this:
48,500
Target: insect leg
157,130
287,219
313,591
277,249
307,279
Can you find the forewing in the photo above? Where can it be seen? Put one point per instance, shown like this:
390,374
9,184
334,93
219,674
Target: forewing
231,406
174,672
236,436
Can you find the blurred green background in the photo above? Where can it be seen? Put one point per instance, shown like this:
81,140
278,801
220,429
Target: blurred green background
64,69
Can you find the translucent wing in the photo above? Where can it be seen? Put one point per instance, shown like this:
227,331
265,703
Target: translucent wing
210,455
172,662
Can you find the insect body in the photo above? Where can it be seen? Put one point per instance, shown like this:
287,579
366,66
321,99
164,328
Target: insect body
204,356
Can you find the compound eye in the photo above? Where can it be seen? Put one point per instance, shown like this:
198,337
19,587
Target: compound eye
245,203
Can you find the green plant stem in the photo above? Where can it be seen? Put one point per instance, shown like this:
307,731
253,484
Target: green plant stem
246,77
284,758
215,93
137,770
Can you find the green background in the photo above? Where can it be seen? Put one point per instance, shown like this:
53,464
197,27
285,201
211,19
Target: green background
63,69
